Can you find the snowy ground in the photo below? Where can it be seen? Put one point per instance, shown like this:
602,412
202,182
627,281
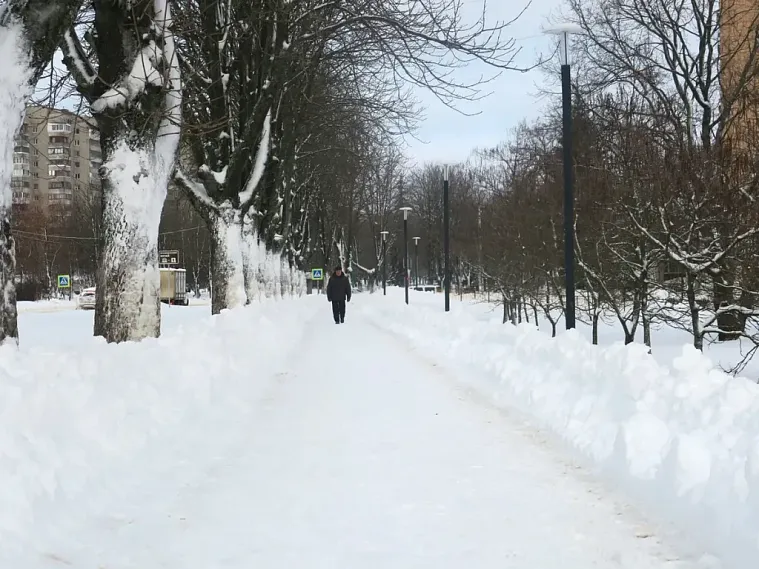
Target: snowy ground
679,435
271,438
667,342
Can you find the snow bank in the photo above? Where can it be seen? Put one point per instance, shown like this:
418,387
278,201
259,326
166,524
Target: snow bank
46,305
80,427
684,438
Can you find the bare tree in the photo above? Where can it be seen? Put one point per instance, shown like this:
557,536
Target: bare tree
252,71
29,33
126,68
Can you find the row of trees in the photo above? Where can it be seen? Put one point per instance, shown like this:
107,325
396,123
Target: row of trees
665,152
263,114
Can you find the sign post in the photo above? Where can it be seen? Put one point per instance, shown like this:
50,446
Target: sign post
64,281
169,258
318,275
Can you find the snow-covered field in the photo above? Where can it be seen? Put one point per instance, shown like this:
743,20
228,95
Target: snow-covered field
407,438
667,342
675,431
83,423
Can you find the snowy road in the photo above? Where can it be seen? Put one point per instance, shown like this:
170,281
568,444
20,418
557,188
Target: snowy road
368,458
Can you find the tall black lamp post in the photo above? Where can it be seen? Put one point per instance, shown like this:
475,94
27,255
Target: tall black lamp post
446,242
566,111
384,261
416,261
405,211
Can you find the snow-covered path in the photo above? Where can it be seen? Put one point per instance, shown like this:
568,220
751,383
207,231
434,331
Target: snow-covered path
364,457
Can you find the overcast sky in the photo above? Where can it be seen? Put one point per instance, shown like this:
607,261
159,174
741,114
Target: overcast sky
448,136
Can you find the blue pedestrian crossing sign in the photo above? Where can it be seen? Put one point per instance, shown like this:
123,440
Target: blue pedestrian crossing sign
317,274
64,281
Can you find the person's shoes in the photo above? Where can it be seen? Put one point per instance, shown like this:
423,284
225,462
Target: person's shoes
342,321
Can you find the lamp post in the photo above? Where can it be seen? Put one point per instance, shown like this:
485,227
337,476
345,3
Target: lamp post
384,262
405,211
416,261
446,242
566,110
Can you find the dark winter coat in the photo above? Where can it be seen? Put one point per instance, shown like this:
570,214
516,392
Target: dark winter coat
339,288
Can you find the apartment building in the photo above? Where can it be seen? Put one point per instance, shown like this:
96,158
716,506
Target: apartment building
739,31
56,156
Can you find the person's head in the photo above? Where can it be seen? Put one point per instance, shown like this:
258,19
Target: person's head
338,271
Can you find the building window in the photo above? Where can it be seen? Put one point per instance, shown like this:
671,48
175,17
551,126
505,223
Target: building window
76,164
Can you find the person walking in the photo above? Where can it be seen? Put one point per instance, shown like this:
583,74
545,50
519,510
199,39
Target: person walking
338,293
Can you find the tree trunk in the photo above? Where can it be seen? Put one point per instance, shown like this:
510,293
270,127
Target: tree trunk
15,75
227,270
284,277
251,259
595,319
730,323
646,330
8,313
690,292
128,279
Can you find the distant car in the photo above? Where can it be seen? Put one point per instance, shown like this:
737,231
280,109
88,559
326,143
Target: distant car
87,299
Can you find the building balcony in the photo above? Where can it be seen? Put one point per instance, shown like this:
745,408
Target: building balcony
60,185
56,127
22,198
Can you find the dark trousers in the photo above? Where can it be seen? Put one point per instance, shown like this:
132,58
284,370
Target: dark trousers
338,310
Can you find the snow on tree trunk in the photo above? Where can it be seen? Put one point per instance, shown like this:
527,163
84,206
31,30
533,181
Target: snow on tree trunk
271,275
251,260
135,182
135,177
227,268
15,75
284,278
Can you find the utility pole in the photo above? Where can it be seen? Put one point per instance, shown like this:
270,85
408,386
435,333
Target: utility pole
384,262
446,242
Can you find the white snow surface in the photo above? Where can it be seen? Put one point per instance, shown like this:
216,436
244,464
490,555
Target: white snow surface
144,72
683,438
245,440
89,430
